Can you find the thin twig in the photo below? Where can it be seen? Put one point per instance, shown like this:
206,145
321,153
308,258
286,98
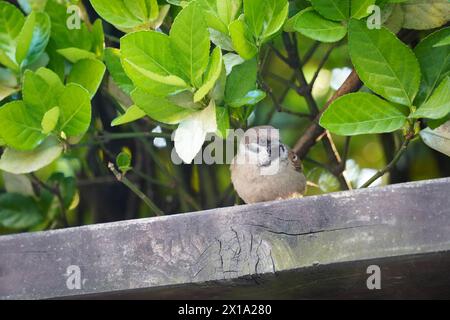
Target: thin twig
390,166
57,193
310,53
321,65
130,185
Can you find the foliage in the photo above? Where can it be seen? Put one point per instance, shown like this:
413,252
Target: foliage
199,67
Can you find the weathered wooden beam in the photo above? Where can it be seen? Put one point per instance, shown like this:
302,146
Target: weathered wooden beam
316,247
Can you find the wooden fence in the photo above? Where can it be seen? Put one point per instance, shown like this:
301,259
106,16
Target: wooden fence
316,247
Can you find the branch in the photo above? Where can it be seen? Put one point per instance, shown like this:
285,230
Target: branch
315,131
121,178
321,64
57,193
391,165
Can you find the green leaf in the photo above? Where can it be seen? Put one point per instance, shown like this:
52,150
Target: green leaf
75,106
434,62
443,42
98,38
242,39
18,211
362,113
40,92
123,14
189,38
50,120
11,22
19,130
62,36
211,13
359,8
212,74
123,161
133,113
309,23
22,162
88,73
148,61
332,9
227,10
112,60
160,108
265,17
250,99
223,121
241,80
385,64
254,16
76,54
438,106
33,38
24,38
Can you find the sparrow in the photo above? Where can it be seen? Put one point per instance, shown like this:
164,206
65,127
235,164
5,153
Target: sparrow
265,169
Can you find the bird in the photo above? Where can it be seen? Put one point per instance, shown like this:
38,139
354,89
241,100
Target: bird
265,169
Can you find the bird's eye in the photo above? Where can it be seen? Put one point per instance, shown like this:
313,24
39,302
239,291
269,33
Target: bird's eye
295,158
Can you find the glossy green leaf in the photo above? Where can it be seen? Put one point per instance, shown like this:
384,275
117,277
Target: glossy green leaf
212,74
40,92
133,113
123,161
241,80
332,9
33,38
384,63
88,73
50,120
160,108
112,60
148,61
359,8
11,22
123,14
434,62
438,106
243,41
265,17
19,129
189,38
443,42
62,36
250,99
362,113
311,24
18,211
76,54
98,38
75,106
223,121
24,38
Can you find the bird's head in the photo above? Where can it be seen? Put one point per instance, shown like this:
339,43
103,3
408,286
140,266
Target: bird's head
263,147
